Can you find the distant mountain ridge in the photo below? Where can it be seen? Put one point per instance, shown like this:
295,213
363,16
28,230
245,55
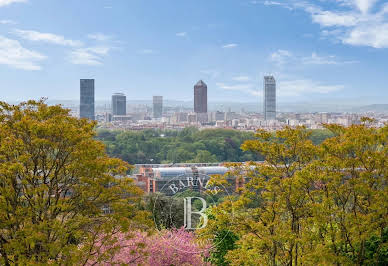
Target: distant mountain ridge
377,108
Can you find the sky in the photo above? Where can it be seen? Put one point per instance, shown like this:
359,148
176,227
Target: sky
318,51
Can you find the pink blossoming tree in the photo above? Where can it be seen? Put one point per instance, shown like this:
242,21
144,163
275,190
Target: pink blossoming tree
166,248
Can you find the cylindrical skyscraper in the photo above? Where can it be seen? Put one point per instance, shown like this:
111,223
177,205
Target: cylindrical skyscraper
200,97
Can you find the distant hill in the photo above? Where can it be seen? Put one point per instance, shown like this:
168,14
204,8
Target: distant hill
377,108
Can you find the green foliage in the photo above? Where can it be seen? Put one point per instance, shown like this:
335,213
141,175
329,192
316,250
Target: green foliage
55,182
224,241
167,211
376,249
187,145
309,204
204,156
319,135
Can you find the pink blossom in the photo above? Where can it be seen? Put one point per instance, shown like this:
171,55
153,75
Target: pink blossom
165,248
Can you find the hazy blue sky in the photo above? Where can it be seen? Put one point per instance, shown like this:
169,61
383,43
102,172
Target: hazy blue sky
321,50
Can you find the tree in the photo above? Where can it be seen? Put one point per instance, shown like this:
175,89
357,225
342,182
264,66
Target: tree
58,189
169,146
165,248
310,204
218,231
167,212
204,156
319,135
352,194
376,249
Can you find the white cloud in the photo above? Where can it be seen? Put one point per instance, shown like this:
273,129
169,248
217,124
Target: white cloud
230,45
8,2
375,36
101,50
274,3
7,21
241,78
91,56
283,57
303,86
99,37
16,56
46,37
316,59
280,57
271,3
352,22
364,5
84,57
80,55
328,19
181,34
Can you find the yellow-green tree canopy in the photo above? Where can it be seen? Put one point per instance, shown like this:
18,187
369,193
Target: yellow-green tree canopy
59,192
310,204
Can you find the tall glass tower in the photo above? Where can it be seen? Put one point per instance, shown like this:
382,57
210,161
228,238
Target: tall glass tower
119,104
86,109
157,106
269,98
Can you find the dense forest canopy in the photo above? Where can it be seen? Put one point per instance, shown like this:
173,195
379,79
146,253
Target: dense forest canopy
188,145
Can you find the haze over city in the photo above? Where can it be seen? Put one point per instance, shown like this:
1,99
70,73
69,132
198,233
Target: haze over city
319,51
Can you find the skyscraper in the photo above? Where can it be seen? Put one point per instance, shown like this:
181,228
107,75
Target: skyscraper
200,97
157,106
86,109
269,98
119,104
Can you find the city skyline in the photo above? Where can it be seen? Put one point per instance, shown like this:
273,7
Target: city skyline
325,51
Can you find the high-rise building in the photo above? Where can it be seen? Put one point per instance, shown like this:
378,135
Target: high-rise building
216,116
86,109
200,97
269,98
157,106
119,104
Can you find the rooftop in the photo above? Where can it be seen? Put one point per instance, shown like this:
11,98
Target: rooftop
201,83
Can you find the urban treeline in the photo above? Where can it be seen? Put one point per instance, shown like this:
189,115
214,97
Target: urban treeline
189,145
